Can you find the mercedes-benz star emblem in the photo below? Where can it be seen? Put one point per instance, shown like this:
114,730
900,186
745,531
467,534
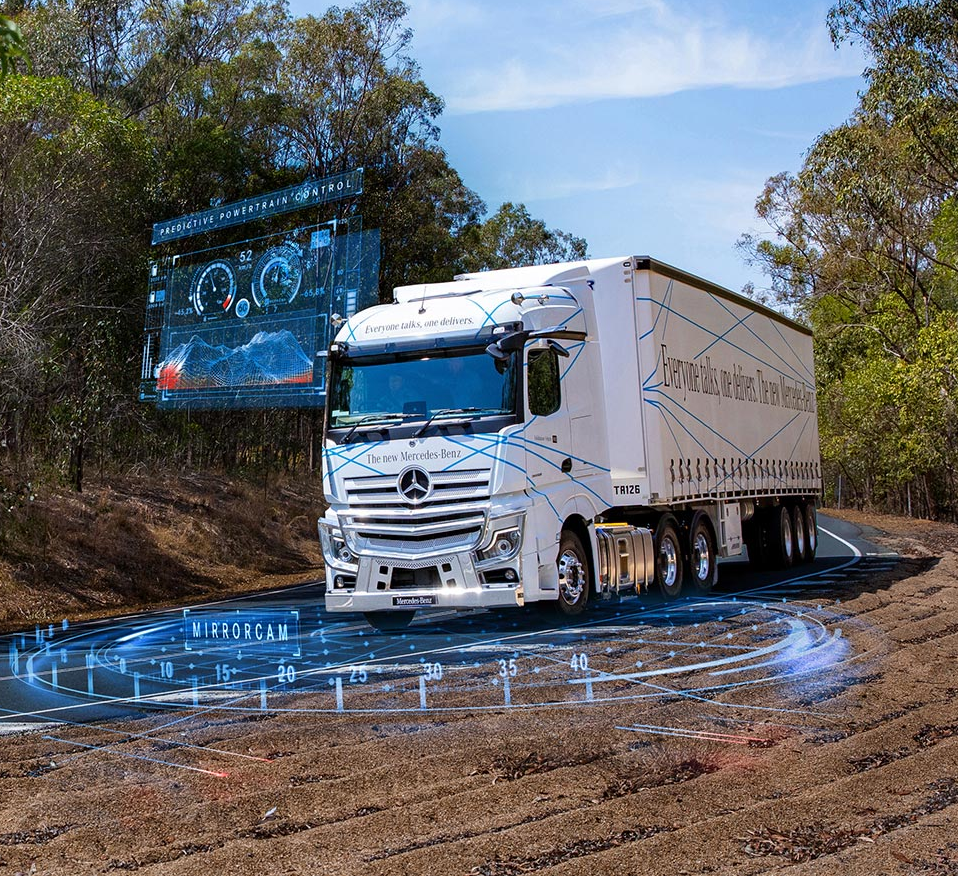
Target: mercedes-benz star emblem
414,485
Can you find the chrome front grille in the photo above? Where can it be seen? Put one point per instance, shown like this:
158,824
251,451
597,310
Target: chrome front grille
447,487
379,521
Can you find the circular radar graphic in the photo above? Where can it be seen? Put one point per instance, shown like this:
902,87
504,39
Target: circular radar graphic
717,654
213,289
277,277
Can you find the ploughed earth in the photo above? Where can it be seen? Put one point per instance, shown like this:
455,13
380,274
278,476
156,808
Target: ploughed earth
850,770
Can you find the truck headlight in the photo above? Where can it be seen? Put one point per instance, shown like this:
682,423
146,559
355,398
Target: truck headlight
505,541
505,544
335,551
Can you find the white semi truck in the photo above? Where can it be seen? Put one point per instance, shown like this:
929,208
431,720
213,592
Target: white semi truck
562,433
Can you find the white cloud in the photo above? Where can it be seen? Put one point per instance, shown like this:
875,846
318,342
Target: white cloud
726,206
608,8
804,137
610,179
534,55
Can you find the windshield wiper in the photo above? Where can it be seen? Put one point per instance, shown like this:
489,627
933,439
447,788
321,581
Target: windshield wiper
445,411
372,418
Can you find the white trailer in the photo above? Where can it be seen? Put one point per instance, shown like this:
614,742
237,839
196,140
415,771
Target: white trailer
561,433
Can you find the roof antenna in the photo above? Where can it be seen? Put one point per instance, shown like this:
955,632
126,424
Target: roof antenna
422,304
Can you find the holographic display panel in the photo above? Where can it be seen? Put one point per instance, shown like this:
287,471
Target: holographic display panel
247,324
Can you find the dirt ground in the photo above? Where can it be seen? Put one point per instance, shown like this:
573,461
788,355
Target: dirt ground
145,541
868,787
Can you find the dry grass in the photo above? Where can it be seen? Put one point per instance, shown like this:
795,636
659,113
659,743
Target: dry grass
139,541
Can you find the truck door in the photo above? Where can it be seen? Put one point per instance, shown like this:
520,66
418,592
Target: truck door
581,397
548,444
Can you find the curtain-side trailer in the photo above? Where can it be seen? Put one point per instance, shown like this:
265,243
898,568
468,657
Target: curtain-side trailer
561,433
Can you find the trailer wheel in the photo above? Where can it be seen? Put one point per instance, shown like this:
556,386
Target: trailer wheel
702,572
811,531
389,621
668,558
574,583
781,538
798,528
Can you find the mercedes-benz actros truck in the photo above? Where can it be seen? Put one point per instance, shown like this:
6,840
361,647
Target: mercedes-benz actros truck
559,434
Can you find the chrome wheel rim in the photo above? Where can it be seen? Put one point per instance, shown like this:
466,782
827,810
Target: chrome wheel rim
571,577
812,525
701,559
668,562
800,539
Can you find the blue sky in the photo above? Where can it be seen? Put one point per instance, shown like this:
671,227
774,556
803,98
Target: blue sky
646,126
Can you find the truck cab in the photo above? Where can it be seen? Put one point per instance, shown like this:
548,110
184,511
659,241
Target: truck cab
457,445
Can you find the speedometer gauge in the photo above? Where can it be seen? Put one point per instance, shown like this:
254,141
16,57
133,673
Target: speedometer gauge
277,277
213,289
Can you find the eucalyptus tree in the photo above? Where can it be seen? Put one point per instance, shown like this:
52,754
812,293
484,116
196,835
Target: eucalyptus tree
11,45
355,97
71,170
511,237
863,246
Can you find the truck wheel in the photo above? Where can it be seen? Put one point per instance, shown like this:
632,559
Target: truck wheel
703,565
798,528
574,583
389,621
811,531
780,537
668,557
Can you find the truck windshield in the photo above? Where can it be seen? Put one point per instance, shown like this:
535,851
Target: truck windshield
447,385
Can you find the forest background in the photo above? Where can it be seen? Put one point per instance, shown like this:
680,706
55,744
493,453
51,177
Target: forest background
118,113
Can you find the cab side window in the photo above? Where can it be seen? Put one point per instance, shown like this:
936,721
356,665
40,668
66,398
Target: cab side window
544,392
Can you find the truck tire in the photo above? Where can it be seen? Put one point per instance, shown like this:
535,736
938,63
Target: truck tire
798,530
574,579
389,621
702,571
668,558
779,537
811,531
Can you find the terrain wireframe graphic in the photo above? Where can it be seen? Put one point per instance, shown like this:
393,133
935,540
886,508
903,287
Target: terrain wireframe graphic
267,359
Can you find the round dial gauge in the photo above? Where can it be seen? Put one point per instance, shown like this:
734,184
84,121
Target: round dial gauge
277,276
213,289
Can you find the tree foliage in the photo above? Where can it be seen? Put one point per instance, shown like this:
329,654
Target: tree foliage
864,246
511,237
11,46
72,171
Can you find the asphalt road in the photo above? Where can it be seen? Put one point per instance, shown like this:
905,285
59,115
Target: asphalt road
280,651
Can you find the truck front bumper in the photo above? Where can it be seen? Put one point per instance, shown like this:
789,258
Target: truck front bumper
451,581
487,574
425,599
